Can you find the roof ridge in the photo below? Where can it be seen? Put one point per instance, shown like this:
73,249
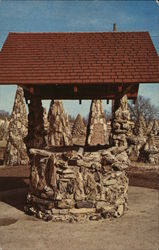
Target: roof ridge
72,32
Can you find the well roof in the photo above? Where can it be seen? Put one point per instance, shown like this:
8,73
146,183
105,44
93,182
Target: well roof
78,58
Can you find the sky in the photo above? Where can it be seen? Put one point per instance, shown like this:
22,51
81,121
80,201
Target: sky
97,15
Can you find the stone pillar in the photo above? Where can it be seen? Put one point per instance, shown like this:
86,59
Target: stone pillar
16,153
59,133
36,132
79,131
121,123
96,128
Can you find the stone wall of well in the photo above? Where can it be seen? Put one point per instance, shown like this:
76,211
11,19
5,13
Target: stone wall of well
75,186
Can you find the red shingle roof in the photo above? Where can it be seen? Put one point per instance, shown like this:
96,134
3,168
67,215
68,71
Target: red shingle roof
85,57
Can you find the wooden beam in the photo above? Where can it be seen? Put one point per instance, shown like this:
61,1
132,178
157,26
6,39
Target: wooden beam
31,90
75,89
120,88
86,92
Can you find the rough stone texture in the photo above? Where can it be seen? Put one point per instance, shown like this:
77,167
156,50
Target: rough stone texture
144,141
121,124
96,128
36,132
4,129
149,127
135,143
149,152
155,128
59,133
16,153
72,186
46,125
79,131
140,128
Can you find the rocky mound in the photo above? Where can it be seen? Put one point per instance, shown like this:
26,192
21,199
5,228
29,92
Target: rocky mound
16,153
59,133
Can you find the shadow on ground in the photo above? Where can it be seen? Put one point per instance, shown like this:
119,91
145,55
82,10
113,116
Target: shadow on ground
13,191
7,183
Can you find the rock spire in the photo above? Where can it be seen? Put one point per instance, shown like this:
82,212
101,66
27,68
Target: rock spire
16,153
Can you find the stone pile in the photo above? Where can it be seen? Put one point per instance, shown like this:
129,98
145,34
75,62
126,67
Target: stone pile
149,127
96,128
155,128
79,131
121,124
142,145
149,153
74,186
137,139
140,128
16,153
59,133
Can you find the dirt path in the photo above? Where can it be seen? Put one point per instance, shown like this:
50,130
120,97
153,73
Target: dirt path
140,177
138,229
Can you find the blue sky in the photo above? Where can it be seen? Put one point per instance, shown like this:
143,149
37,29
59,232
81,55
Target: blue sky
97,15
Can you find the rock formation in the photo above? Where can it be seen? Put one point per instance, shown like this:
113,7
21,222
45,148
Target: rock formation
121,124
96,128
142,142
140,128
155,128
149,153
59,133
16,153
149,127
79,131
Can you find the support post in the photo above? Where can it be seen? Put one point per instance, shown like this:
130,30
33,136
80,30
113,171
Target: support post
36,131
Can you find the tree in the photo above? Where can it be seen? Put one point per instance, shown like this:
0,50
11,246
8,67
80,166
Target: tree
144,107
4,114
